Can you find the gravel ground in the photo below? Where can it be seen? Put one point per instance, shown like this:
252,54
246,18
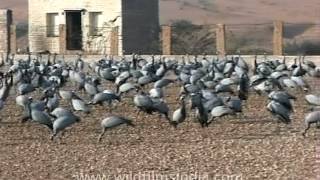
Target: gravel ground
249,146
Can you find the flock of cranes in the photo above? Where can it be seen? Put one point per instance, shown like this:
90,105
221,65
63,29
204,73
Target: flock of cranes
211,87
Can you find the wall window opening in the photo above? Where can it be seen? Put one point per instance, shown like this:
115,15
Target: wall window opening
96,23
52,24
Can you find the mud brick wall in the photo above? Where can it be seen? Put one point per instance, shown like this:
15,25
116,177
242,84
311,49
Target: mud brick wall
5,22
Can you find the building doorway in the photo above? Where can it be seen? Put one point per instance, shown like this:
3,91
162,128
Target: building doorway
74,30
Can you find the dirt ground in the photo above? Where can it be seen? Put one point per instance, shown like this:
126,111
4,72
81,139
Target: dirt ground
251,146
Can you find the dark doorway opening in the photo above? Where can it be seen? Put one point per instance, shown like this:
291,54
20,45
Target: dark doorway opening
74,30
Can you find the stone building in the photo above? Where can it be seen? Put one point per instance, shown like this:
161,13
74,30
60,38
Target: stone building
93,26
5,23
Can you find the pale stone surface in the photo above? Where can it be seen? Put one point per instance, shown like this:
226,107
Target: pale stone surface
132,15
248,58
5,22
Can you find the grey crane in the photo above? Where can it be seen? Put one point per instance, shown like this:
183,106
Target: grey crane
161,107
126,87
1,104
209,84
264,87
221,111
77,78
256,80
299,70
6,87
235,104
162,83
202,116
49,92
196,100
180,114
63,122
227,81
311,118
78,63
184,77
196,76
79,105
25,88
280,111
59,112
156,93
66,95
90,89
277,75
314,72
111,122
162,70
100,98
144,80
208,94
136,74
107,73
39,105
190,88
283,94
313,99
243,88
212,103
52,102
39,116
300,82
283,98
122,78
22,100
289,83
143,102
222,88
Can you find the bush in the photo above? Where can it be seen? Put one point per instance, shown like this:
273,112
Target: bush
188,38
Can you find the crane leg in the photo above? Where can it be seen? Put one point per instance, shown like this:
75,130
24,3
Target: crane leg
110,107
318,125
62,134
138,112
305,130
52,136
102,133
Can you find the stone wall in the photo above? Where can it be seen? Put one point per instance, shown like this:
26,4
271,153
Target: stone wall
5,22
38,9
138,24
248,58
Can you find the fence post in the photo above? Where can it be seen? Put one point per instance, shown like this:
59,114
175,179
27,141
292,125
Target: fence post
221,39
278,38
13,39
62,38
114,44
166,40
